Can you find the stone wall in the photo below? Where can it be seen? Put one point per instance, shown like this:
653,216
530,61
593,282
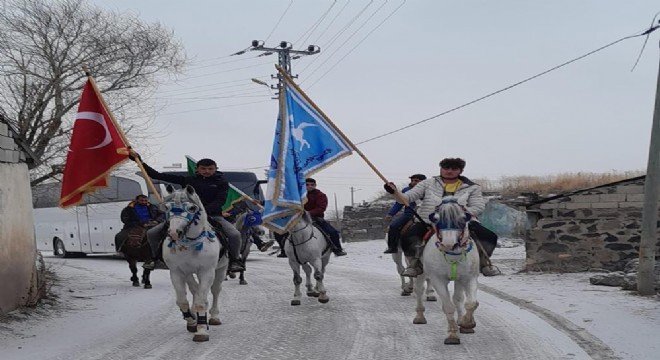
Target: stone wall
364,222
17,246
593,228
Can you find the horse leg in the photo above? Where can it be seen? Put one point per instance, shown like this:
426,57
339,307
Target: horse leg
459,302
133,266
297,280
241,278
179,284
471,304
406,283
215,291
200,303
448,308
145,278
430,293
308,281
317,264
419,293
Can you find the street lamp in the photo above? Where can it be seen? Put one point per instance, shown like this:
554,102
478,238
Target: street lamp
263,83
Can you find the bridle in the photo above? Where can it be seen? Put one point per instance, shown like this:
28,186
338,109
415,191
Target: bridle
191,218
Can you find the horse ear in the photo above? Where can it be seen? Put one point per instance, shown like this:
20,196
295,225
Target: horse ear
190,189
169,188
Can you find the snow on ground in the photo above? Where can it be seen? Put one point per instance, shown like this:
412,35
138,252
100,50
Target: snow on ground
627,323
596,317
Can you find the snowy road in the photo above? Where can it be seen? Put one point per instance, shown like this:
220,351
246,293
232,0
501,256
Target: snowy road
99,315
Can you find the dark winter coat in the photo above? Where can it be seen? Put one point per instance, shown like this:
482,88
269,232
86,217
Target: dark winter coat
317,203
130,217
211,190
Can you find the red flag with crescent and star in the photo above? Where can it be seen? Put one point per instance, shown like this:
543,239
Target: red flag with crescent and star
96,148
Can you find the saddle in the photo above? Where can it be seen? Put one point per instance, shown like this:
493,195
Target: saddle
136,237
325,236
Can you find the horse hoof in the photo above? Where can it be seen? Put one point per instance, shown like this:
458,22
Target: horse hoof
232,275
419,321
295,302
431,298
147,286
242,282
191,328
200,338
405,293
214,321
324,300
452,341
136,284
313,294
465,330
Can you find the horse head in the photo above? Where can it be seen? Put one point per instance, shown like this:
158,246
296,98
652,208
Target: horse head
450,224
183,210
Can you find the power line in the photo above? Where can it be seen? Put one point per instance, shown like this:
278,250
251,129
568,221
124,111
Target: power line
347,39
315,25
510,86
278,21
356,45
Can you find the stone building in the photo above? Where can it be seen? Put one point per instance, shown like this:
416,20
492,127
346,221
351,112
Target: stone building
586,229
18,255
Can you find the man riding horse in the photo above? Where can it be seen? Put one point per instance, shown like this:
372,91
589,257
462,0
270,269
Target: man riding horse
138,214
396,225
211,187
432,190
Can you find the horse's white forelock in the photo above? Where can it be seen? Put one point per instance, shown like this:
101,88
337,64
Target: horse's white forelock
450,212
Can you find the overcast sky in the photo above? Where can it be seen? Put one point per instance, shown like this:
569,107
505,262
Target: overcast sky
387,64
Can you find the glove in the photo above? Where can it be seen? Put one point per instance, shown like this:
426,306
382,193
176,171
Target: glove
130,156
389,187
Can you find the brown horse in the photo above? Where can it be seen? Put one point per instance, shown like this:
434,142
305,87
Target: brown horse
136,248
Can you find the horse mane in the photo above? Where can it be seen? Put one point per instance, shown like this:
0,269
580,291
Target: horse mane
450,214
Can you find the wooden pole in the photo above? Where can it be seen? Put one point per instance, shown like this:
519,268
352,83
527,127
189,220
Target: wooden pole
649,239
289,80
147,178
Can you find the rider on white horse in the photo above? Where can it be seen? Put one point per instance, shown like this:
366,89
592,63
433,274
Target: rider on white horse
395,226
432,190
211,187
317,203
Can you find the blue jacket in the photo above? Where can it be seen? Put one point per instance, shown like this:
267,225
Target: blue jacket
397,206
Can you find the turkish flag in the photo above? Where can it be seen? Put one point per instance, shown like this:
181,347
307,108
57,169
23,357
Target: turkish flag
96,148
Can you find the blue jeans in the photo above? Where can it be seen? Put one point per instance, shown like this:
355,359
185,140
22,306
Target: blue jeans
330,230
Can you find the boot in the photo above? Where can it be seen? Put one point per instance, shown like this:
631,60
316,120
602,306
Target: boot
282,254
339,252
390,250
415,268
235,265
265,246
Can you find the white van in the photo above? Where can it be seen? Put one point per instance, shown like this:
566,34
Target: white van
91,227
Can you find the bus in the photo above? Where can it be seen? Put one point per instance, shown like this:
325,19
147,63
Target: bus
90,227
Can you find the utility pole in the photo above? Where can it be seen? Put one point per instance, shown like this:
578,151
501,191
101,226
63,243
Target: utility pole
284,52
353,191
649,240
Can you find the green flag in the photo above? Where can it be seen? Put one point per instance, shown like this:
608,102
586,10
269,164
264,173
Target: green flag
191,165
233,196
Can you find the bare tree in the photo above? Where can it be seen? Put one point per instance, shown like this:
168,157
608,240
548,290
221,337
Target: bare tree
43,46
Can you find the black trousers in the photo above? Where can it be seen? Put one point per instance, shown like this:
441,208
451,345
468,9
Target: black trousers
412,238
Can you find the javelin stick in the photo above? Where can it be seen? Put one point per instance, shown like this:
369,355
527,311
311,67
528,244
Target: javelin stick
121,134
289,80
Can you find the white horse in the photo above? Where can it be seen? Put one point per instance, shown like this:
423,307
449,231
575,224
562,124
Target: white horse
307,247
451,255
192,248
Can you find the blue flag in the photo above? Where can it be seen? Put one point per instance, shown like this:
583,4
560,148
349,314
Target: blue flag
304,144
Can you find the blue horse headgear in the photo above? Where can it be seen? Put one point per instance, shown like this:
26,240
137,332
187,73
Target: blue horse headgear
253,219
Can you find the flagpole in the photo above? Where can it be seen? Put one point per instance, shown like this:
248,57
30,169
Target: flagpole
289,80
147,178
